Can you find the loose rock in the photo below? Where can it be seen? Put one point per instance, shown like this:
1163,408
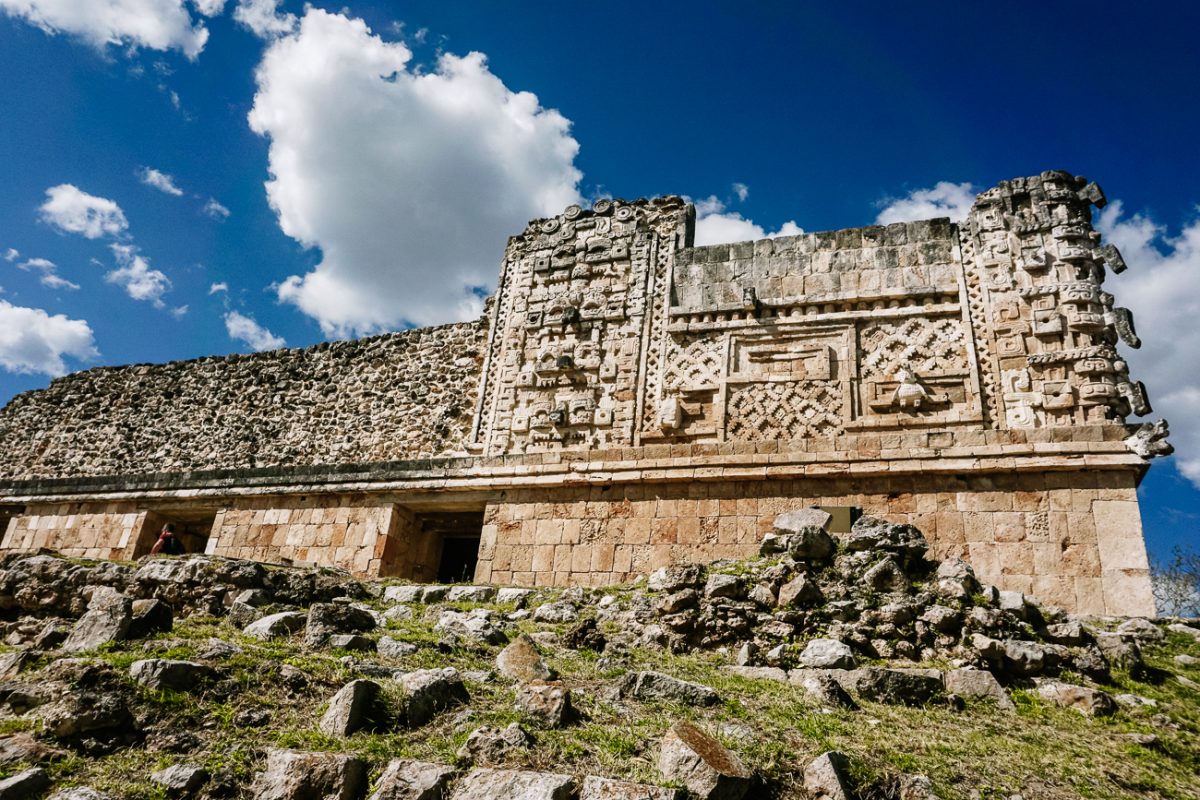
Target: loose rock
292,775
702,764
404,779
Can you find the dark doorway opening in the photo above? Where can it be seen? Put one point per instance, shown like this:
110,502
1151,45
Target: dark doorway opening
193,527
457,534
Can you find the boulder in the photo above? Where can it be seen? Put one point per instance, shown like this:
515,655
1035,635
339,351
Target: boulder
676,577
293,775
915,787
1087,701
351,641
11,663
274,626
1070,633
16,748
789,522
1143,630
871,533
490,745
471,594
1023,659
595,788
822,686
827,777
351,709
1186,630
514,596
243,614
556,613
757,673
107,620
827,654
702,764
326,619
522,662
429,691
809,543
722,585
434,594
179,676
978,684
180,780
29,783
801,591
394,648
80,793
150,617
910,687
657,686
547,705
403,594
98,714
1121,652
405,779
506,784
886,575
585,635
474,626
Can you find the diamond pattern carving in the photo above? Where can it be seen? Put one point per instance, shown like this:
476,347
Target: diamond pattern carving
784,410
923,345
697,364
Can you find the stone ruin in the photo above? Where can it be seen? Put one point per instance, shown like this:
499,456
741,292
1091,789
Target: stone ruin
631,401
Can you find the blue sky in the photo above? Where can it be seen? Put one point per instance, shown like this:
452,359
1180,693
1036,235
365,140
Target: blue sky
391,198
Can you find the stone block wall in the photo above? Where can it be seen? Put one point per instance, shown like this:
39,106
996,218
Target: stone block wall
1072,539
84,530
394,397
349,532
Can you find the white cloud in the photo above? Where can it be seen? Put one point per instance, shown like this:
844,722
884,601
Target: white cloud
150,24
408,182
33,341
11,254
742,191
75,211
715,224
48,270
263,19
218,287
945,199
1160,289
159,180
246,330
215,210
136,277
209,8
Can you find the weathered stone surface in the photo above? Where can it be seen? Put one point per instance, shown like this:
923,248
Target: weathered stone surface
801,591
1141,629
1070,633
80,793
547,705
394,648
827,777
522,661
292,775
1091,702
556,613
1186,630
350,641
181,780
503,784
488,745
702,764
430,691
872,533
911,687
276,625
595,788
351,709
722,585
476,626
23,748
916,787
676,577
822,686
471,594
28,783
107,620
150,616
326,619
758,673
657,686
11,663
403,594
180,676
979,684
405,779
512,595
827,654
99,714
790,522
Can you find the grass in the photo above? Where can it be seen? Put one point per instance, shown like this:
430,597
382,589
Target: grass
1040,751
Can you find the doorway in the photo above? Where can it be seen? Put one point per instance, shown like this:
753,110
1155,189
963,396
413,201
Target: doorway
457,534
193,527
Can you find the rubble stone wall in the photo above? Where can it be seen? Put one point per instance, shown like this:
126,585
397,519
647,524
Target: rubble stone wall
399,396
1072,539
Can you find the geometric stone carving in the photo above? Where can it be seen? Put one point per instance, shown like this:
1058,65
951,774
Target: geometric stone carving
784,410
919,344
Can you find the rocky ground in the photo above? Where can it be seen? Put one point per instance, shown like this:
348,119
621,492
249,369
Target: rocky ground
829,668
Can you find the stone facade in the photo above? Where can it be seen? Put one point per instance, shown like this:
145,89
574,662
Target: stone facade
631,400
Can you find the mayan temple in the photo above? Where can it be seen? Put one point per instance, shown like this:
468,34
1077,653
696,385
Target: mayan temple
630,400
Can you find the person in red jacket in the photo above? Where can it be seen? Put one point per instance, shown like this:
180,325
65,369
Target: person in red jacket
168,542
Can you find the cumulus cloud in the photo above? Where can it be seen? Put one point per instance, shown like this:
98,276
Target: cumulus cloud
159,180
716,224
73,210
11,254
1160,289
409,182
945,199
135,276
48,273
209,8
33,341
263,19
742,191
149,24
218,287
215,210
246,330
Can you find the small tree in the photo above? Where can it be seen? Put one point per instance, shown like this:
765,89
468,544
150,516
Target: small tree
1176,584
